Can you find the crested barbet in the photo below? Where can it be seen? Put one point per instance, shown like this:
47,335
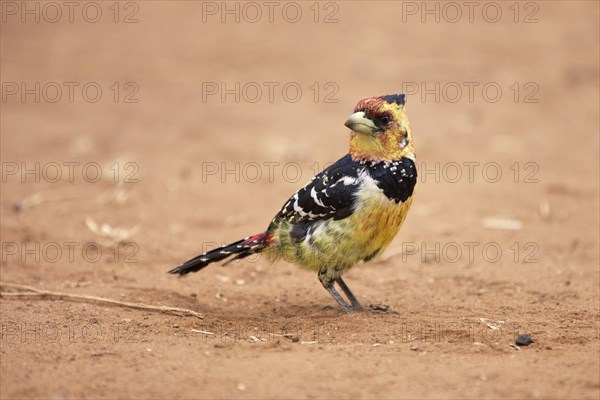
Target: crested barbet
348,213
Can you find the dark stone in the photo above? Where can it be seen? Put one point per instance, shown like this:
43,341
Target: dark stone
524,340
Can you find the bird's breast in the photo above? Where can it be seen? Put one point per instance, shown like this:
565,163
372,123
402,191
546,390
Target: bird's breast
377,217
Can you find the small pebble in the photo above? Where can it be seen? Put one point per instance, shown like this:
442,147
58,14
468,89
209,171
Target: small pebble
523,340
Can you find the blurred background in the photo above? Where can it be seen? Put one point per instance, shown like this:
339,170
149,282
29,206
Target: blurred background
155,130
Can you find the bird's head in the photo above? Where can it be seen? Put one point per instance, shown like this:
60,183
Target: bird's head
380,130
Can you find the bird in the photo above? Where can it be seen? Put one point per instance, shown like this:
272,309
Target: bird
346,214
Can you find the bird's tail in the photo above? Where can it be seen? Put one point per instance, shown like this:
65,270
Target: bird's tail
240,249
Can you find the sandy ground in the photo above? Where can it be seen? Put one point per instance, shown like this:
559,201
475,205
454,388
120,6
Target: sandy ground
177,128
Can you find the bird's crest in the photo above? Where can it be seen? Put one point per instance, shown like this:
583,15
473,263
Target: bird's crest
399,99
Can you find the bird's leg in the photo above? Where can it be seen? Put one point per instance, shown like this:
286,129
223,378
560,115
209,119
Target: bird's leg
334,293
355,303
327,281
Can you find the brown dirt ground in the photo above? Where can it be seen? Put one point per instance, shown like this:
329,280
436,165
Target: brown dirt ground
273,331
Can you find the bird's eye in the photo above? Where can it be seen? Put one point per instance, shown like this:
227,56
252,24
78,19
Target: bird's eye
384,120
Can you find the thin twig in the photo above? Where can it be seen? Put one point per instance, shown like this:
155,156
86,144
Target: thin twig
44,196
31,291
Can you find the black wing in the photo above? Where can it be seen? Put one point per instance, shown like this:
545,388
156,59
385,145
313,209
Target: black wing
397,179
329,195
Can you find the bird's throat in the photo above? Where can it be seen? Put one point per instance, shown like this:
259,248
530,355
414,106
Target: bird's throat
367,147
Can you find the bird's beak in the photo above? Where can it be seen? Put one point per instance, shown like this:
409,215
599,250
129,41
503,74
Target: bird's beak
361,124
